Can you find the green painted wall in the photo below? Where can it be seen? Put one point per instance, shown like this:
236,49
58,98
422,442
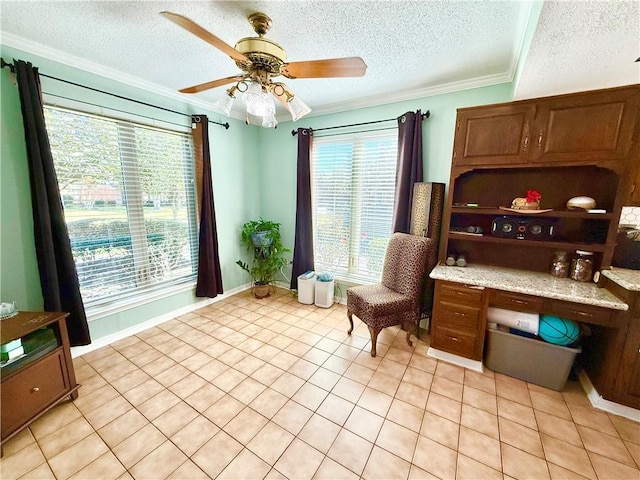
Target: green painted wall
235,182
254,174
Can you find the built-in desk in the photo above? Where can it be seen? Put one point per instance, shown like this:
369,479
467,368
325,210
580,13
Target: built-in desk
464,293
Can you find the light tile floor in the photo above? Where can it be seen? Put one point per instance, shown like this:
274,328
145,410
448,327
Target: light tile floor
271,388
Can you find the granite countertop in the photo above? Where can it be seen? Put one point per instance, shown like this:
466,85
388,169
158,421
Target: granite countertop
626,278
531,283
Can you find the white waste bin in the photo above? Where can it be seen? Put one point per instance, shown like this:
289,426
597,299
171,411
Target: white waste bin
324,293
306,288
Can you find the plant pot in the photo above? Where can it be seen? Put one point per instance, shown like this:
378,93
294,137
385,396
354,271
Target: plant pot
260,239
261,291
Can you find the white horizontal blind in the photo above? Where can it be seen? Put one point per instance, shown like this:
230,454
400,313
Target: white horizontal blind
353,185
129,200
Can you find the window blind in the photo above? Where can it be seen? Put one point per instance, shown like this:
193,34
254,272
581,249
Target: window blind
128,192
353,186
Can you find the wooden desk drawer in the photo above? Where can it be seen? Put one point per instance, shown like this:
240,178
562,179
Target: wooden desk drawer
31,390
581,312
460,293
454,341
458,316
516,301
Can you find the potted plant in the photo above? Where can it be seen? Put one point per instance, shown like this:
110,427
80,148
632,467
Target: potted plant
262,237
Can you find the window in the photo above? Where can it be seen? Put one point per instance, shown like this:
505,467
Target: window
353,185
129,201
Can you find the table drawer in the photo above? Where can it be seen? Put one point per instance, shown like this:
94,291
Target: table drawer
581,312
516,301
454,341
460,293
459,316
31,390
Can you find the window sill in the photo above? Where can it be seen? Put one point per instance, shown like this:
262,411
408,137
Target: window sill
124,304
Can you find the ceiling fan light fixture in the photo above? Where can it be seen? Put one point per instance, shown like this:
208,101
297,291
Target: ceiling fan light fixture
225,102
270,122
258,101
297,108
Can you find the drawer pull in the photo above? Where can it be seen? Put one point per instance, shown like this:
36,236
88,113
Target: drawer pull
476,287
582,314
517,301
35,389
460,314
455,339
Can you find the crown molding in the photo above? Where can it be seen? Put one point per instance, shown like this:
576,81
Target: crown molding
49,53
415,94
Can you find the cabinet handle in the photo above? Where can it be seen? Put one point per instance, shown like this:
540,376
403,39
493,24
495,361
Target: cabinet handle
475,287
455,339
540,139
519,302
526,142
581,314
35,389
460,314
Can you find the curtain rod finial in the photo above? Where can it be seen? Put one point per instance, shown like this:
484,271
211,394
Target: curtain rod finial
294,133
4,64
226,125
426,114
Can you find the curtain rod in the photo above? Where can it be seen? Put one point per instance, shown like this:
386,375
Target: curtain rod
426,114
11,67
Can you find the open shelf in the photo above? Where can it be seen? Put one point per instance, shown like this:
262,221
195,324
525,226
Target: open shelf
552,214
591,247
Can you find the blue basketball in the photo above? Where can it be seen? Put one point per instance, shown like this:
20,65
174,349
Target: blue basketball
558,331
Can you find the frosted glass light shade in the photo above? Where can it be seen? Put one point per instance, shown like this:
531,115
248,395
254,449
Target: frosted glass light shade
225,103
258,102
298,108
269,122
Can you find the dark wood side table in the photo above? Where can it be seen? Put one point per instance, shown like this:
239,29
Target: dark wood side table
41,379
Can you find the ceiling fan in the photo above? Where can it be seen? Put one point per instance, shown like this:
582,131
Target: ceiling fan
260,60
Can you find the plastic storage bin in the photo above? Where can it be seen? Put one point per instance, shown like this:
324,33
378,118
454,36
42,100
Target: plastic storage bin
528,359
324,294
306,288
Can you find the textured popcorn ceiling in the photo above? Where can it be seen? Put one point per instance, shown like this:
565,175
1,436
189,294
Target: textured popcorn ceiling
412,48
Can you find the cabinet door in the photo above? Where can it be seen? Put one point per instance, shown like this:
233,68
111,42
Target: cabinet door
590,127
496,135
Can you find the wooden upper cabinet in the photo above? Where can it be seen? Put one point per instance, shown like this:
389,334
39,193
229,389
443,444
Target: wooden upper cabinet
494,135
585,128
597,126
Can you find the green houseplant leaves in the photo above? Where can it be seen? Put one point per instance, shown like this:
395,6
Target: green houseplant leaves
263,238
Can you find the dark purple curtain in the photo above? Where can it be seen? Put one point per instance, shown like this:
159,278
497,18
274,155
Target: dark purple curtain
409,169
58,276
209,282
303,247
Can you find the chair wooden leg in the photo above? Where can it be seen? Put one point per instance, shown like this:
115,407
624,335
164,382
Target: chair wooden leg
410,326
349,316
374,338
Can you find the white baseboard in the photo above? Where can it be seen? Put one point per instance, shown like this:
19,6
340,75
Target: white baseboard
153,322
606,405
474,365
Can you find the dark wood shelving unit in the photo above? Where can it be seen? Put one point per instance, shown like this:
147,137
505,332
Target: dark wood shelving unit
582,144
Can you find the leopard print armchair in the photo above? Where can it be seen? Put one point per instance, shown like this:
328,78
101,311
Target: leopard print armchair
395,301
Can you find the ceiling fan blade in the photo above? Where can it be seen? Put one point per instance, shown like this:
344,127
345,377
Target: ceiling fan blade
334,67
208,37
212,84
